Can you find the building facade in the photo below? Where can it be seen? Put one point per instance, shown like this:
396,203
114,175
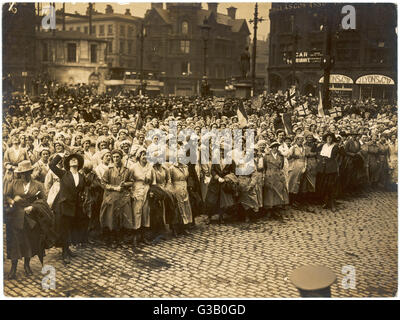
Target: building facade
262,56
19,67
72,57
119,30
174,46
365,58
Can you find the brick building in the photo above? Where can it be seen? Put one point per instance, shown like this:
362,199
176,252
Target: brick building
174,46
72,57
19,67
119,30
365,58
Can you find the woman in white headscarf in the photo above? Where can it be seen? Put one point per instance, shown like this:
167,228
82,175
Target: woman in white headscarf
141,172
297,167
179,175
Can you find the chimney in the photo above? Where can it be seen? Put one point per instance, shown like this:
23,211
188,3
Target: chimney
213,7
157,5
232,12
109,9
128,12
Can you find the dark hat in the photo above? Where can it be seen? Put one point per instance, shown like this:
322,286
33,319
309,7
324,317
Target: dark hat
117,151
71,156
331,135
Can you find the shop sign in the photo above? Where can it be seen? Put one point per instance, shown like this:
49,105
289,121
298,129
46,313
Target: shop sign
337,78
304,57
375,79
293,6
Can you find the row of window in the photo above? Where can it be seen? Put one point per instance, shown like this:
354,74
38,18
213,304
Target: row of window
110,30
186,68
71,52
184,46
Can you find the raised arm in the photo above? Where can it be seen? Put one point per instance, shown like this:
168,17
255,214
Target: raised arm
53,166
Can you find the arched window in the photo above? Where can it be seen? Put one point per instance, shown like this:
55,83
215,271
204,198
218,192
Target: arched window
185,27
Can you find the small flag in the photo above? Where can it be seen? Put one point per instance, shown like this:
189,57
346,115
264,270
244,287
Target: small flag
302,110
320,107
335,112
291,96
35,106
139,122
242,115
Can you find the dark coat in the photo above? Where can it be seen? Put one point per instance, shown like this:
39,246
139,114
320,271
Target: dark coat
70,197
214,188
328,165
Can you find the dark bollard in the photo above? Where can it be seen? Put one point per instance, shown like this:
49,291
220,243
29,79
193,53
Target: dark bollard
313,281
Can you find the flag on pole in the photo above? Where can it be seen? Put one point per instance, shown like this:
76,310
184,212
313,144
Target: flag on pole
302,110
320,107
139,122
291,96
287,123
242,115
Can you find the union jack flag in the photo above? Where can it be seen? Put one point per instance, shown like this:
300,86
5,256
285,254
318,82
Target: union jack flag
291,96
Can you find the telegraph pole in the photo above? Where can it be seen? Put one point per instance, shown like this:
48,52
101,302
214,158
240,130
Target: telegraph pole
295,39
141,37
327,62
256,20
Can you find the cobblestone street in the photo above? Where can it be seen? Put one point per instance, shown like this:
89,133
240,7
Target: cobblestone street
238,259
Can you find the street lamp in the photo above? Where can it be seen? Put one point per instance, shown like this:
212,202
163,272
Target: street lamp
205,33
256,20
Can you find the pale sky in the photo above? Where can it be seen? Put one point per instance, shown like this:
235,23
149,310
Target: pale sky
245,10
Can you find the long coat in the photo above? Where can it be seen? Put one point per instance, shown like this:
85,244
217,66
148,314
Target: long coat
23,234
216,197
70,197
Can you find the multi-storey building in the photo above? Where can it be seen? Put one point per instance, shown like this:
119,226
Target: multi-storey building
174,45
261,62
19,67
72,57
119,30
365,58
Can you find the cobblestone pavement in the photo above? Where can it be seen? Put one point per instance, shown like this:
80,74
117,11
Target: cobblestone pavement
238,259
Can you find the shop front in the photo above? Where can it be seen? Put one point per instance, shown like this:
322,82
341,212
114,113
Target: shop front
376,86
339,85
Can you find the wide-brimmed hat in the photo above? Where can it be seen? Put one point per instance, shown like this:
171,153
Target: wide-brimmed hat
331,135
71,156
24,166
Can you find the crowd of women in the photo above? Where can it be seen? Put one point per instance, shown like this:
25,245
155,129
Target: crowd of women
80,174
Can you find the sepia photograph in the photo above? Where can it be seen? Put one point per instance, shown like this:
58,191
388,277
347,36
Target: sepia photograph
199,150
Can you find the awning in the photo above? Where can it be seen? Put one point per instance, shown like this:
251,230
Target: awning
338,78
150,88
375,79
